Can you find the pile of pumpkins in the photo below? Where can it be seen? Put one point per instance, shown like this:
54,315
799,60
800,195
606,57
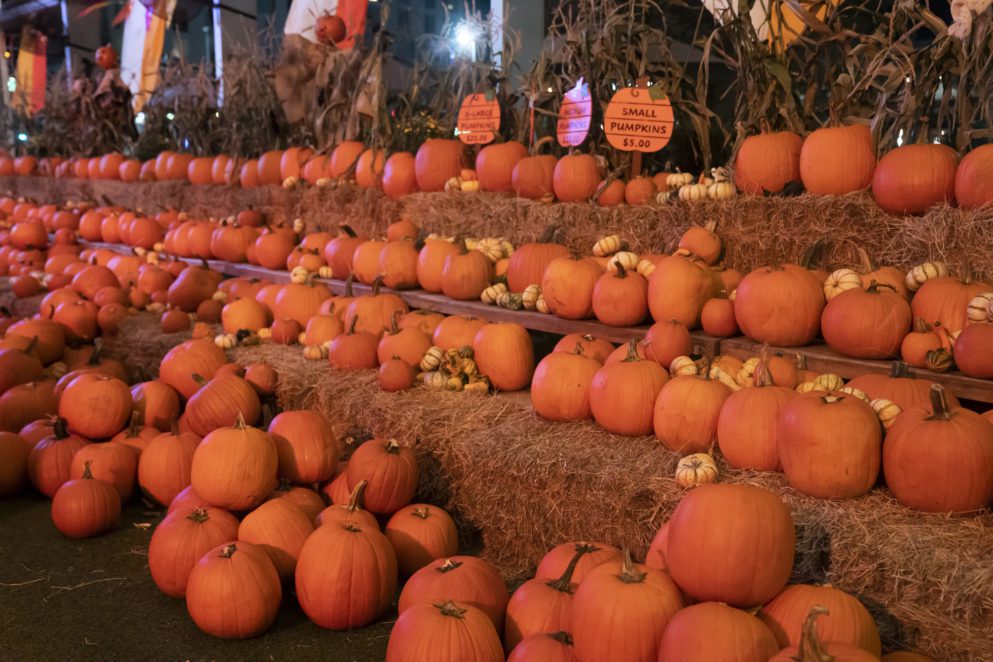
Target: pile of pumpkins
836,160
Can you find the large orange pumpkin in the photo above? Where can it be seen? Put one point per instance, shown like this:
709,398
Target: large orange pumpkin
399,178
973,351
847,619
505,354
466,274
235,467
181,539
829,445
974,178
464,578
623,394
560,388
495,165
344,157
946,300
567,286
354,590
767,162
710,631
575,178
369,168
686,412
718,522
305,445
913,178
608,603
436,162
444,630
837,160
280,528
780,305
421,534
678,289
746,427
940,459
866,324
533,176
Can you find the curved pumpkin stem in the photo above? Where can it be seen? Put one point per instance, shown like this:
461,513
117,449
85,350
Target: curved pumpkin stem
564,583
632,352
174,426
351,327
228,550
940,409
395,322
355,501
629,573
392,447
240,422
899,369
60,428
376,284
810,649
134,428
706,360
87,474
347,230
621,271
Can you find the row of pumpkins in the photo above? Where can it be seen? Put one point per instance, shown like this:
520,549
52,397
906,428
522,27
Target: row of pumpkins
830,161
247,521
927,317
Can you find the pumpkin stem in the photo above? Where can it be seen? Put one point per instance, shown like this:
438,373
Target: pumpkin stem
32,345
228,551
562,637
812,253
920,326
394,322
940,409
706,359
579,349
87,474
199,379
899,369
351,327
632,352
564,583
548,235
348,284
240,422
134,428
867,264
810,649
392,447
448,566
376,284
351,527
199,515
355,501
621,271
451,609
347,229
423,513
629,573
60,428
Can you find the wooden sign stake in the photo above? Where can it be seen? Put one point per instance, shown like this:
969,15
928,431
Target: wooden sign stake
636,156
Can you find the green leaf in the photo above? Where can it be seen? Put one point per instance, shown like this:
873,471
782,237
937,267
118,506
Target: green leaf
779,71
657,93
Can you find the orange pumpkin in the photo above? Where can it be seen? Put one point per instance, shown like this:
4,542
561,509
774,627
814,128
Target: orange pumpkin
913,178
780,305
575,178
532,176
712,631
767,162
640,191
495,165
567,286
974,178
504,353
846,620
437,161
369,168
344,158
678,289
837,160
623,394
399,177
466,274
560,388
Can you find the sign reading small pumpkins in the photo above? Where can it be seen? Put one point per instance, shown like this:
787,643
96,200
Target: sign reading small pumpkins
639,119
479,118
575,115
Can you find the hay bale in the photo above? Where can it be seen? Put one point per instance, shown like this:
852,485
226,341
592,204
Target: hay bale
528,484
757,231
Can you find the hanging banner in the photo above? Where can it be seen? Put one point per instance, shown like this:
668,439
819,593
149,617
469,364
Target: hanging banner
141,51
32,65
575,115
638,120
303,15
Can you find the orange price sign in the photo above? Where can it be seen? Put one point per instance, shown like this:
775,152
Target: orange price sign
479,119
575,115
638,120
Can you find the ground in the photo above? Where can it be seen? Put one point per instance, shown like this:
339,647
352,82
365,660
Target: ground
62,599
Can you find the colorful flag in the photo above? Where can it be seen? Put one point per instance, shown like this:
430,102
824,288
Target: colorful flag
32,63
141,52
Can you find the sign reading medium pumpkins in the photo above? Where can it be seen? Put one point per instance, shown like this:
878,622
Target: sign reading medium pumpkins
639,119
479,118
575,115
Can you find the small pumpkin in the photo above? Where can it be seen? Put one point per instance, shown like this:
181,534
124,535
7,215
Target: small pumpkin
696,469
86,506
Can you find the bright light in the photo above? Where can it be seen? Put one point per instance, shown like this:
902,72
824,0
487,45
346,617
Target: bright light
550,89
217,113
899,138
6,53
23,137
465,37
11,84
170,116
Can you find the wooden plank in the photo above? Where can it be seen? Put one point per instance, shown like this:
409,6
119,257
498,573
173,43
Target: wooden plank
442,304
821,358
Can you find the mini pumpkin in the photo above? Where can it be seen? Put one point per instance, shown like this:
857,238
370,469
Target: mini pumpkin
696,469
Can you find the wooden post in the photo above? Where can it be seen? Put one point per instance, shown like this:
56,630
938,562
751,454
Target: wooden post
636,155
